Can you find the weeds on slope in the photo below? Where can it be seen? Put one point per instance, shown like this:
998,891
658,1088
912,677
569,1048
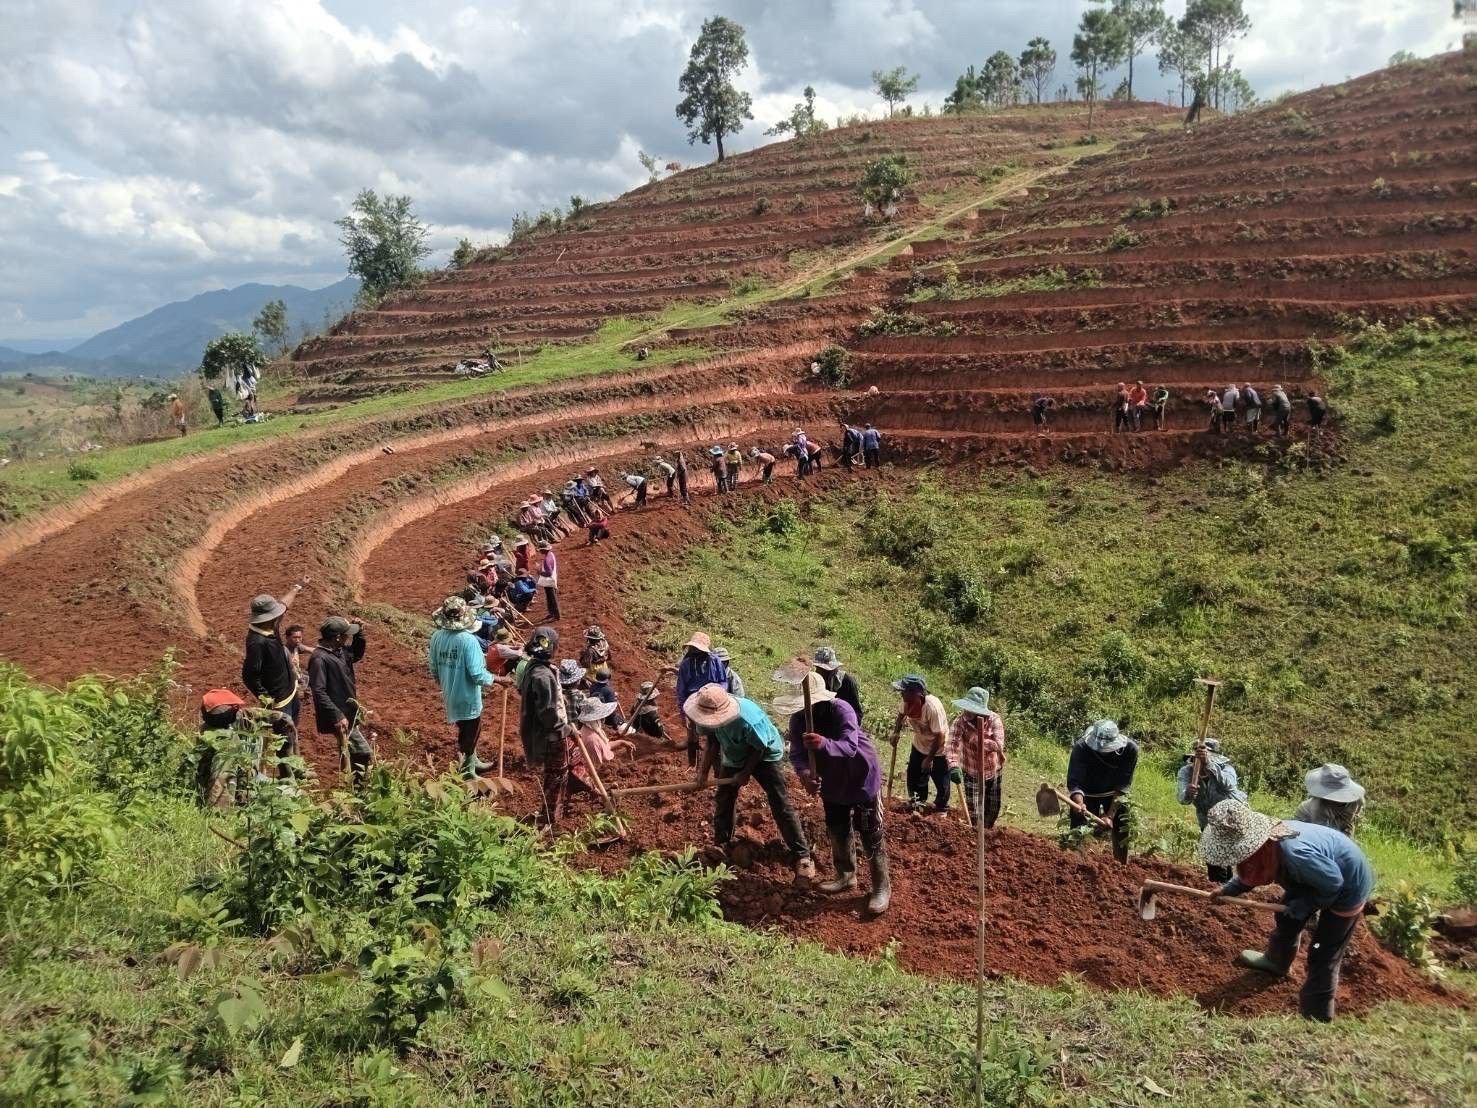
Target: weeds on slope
409,946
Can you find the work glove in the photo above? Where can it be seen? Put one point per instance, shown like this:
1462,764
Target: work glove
813,741
956,775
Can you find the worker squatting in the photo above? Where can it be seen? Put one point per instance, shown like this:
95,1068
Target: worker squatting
571,727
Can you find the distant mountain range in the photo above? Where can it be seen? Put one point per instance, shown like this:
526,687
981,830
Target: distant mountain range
168,340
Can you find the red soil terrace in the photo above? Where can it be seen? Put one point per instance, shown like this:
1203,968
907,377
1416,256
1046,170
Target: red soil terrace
1276,230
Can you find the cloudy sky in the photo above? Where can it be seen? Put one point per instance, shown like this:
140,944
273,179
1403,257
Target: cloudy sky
154,149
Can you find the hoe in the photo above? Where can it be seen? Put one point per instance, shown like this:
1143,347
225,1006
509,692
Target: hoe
1149,898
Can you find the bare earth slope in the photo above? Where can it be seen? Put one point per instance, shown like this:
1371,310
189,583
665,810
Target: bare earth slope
1276,228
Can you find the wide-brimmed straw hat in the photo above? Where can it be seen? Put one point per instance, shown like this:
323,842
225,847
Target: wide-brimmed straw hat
825,658
264,609
701,641
975,701
711,706
455,614
1332,781
788,703
521,541
594,709
1234,832
570,672
1104,737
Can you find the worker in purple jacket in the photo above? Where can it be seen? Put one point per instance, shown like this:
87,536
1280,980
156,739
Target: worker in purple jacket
849,781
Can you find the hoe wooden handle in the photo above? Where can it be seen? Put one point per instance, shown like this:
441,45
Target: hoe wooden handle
1185,890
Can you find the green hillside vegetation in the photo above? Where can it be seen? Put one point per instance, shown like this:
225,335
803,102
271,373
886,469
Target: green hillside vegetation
1333,598
412,947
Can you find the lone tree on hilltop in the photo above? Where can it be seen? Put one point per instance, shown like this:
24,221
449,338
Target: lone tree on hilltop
1143,22
233,355
385,243
894,86
1098,45
711,106
882,185
1215,24
802,121
271,324
1037,63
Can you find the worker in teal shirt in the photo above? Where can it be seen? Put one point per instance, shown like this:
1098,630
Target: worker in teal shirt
750,746
458,664
1325,879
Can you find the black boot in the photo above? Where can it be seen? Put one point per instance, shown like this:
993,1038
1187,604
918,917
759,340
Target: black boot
843,861
881,885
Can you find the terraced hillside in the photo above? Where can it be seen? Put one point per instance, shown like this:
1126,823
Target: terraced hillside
1272,233
691,237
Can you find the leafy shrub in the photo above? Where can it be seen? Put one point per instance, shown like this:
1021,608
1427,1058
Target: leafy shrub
1405,925
782,520
1380,187
761,205
900,532
235,352
883,182
128,737
1122,238
905,323
79,470
959,593
53,829
1118,663
1149,209
1295,123
744,286
834,362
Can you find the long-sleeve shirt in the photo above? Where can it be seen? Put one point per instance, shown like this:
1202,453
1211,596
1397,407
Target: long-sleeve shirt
871,439
1319,868
1218,782
267,671
735,682
1096,774
1252,397
846,762
595,741
605,692
752,731
333,685
1341,817
542,718
977,745
845,687
548,569
458,664
696,670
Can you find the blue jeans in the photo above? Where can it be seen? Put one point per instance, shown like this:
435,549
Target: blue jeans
918,779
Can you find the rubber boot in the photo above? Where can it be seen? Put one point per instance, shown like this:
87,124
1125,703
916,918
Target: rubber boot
1255,959
881,884
843,860
470,766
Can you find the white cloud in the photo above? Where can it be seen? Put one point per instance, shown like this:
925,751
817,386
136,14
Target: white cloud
161,147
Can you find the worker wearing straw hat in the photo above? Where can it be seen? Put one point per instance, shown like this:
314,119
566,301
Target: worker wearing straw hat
848,779
458,662
745,743
1325,881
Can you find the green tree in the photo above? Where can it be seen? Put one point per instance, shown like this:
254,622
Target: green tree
1216,24
462,256
1000,78
1143,22
234,353
1099,45
711,106
1182,55
894,86
885,179
648,163
1037,63
385,243
1402,57
271,324
968,93
802,121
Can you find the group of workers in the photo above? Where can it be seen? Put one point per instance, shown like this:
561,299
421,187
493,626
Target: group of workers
1135,406
571,727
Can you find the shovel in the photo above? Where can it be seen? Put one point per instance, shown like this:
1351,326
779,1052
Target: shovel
1049,801
795,673
1149,898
